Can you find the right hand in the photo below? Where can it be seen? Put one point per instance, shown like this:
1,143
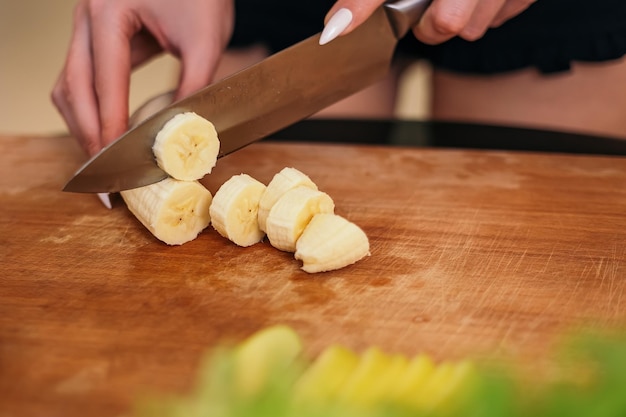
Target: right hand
112,37
444,19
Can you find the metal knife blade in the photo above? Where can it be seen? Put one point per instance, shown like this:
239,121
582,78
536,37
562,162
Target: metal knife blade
262,99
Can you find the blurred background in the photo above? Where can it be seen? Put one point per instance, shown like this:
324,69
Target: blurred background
34,35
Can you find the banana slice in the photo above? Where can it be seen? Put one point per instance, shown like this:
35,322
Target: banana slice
234,210
285,180
330,242
291,214
174,211
186,147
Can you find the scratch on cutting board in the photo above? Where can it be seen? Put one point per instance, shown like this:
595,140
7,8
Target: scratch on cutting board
609,276
599,267
125,234
548,261
600,277
84,380
57,239
101,233
280,294
520,261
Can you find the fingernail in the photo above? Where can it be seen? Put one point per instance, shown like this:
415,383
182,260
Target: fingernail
336,25
106,200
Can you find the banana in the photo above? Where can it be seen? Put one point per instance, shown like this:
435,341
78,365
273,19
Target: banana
292,213
234,210
174,211
186,147
330,242
285,180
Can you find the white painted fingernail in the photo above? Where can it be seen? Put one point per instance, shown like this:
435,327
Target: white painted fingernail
336,25
106,200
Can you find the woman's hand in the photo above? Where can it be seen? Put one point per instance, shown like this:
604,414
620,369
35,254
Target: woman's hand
443,20
112,37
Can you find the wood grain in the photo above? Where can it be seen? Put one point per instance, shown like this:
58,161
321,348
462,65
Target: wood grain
474,254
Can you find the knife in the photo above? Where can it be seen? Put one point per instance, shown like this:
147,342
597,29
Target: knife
262,99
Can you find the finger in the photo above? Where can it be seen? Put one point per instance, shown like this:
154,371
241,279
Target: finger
443,20
111,33
510,9
198,65
346,15
59,99
481,19
73,93
143,46
199,60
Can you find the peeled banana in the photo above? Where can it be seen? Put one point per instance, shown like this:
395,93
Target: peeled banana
292,213
187,146
174,211
285,180
234,210
330,242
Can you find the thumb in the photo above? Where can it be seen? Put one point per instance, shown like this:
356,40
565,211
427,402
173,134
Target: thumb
347,15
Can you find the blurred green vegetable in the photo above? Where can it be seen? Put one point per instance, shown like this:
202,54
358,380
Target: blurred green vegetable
267,376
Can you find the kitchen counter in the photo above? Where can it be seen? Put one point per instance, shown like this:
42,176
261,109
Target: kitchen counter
474,253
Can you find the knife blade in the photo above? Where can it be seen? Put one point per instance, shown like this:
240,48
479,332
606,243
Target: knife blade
262,99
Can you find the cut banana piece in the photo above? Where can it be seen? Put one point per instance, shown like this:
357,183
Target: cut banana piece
285,180
234,210
331,242
292,213
174,211
187,146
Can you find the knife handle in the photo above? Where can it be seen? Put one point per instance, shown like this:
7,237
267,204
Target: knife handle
404,14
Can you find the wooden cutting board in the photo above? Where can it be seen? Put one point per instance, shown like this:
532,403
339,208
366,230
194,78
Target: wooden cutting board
474,254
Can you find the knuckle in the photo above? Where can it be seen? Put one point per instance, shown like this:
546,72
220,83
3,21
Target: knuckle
60,92
449,23
56,96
